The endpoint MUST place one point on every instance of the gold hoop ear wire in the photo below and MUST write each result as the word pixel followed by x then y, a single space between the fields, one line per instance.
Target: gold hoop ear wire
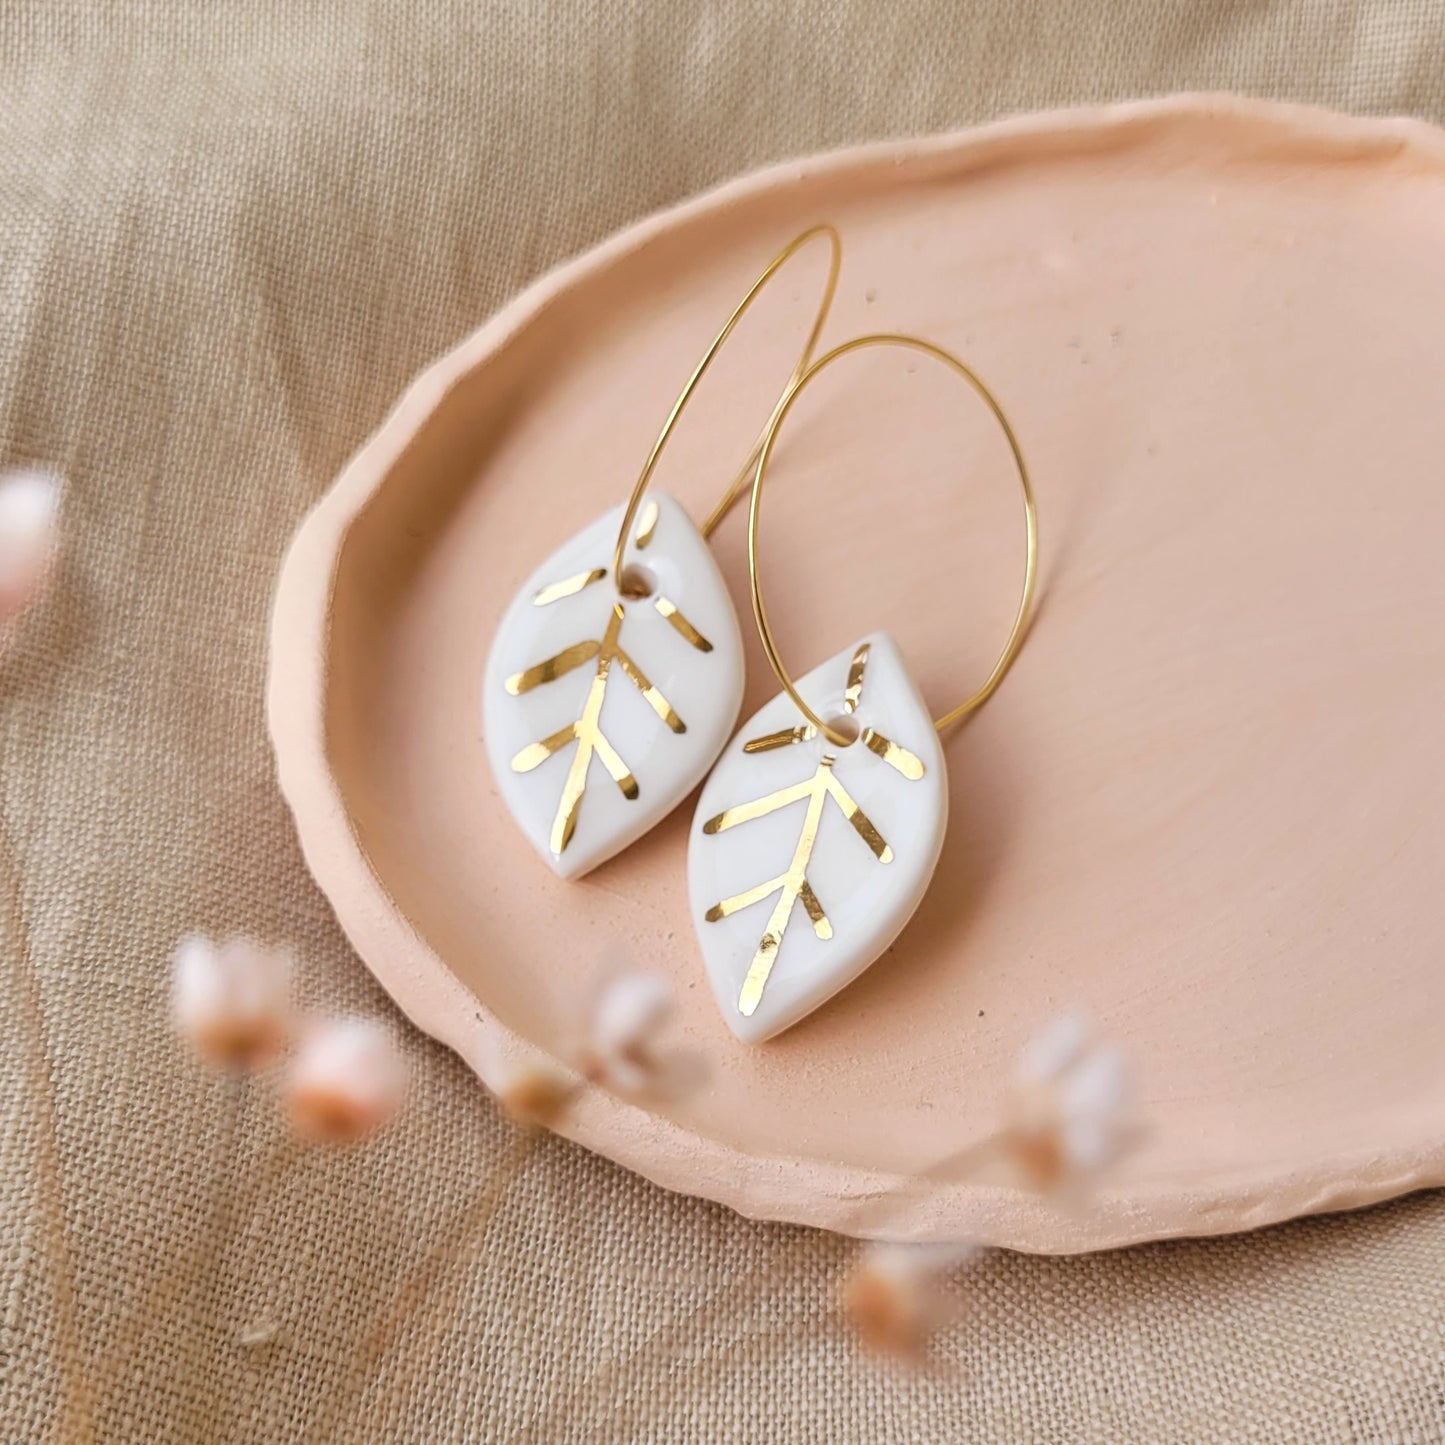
pixel 760 611
pixel 740 482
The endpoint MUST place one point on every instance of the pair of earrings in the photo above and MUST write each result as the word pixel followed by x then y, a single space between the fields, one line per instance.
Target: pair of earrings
pixel 613 687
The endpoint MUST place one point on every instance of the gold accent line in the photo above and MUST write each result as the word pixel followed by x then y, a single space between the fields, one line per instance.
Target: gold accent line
pixel 587 730
pixel 760 807
pixel 761 966
pixel 655 699
pixel 553 667
pixel 648 525
pixel 809 900
pixel 766 744
pixel 739 901
pixel 856 669
pixel 683 626
pixel 565 823
pixel 616 768
pixel 862 823
pixel 790 890
pixel 895 756
pixel 792 886
pixel 535 754
pixel 568 587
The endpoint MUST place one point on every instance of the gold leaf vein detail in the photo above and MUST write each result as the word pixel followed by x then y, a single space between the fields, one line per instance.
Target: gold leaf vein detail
pixel 586 731
pixel 568 587
pixel 792 885
pixel 647 523
pixel 856 670
pixel 689 633
pixel 766 744
pixel 896 756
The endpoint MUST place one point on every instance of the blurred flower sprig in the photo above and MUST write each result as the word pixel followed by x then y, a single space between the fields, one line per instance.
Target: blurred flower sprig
pixel 622 1048
pixel 29 537
pixel 1065 1121
pixel 345 1078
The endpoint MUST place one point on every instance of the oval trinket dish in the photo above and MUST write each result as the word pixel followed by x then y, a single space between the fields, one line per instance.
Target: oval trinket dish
pixel 1208 806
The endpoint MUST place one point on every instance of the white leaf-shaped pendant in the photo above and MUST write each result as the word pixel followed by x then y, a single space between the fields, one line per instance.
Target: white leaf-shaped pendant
pixel 602 711
pixel 806 859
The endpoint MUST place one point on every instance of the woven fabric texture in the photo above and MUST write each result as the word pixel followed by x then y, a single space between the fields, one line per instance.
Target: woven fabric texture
pixel 229 234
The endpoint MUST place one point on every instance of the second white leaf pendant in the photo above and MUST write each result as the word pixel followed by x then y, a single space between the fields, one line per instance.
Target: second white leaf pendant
pixel 806 858
pixel 604 706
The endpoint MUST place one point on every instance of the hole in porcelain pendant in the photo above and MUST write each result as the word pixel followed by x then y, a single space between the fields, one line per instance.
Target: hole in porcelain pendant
pixel 604 705
pixel 637 582
pixel 807 857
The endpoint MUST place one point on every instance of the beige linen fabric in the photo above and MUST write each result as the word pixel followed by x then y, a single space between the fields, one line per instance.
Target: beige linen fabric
pixel 229 234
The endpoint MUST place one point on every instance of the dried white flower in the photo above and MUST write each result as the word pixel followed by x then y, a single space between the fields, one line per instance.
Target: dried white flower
pixel 1048 1055
pixel 232 1001
pixel 623 1049
pixel 895 1295
pixel 347 1080
pixel 29 529
pixel 1065 1117
pixel 532 1091
pixel 630 1014
pixel 536 1096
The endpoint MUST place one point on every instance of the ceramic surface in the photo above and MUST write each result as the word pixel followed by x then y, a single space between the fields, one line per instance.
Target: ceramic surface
pixel 603 706
pixel 1207 808
pixel 806 858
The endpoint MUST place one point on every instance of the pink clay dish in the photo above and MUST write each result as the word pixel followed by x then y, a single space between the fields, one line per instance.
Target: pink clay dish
pixel 1207 807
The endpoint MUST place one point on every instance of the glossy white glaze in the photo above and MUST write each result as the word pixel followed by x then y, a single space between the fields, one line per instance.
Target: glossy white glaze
pixel 866 899
pixel 701 689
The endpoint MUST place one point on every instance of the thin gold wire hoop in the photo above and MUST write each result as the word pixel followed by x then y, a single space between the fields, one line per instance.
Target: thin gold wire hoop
pixel 740 482
pixel 780 415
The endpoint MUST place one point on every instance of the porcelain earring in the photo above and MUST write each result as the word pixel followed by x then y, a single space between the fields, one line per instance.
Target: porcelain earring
pixel 819 829
pixel 622 653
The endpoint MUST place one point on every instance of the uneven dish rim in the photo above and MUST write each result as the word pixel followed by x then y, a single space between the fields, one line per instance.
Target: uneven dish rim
pixel 832 1196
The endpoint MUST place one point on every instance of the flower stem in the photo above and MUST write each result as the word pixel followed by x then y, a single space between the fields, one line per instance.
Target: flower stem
pixel 126 1339
pixel 78 1410
pixel 468 1232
